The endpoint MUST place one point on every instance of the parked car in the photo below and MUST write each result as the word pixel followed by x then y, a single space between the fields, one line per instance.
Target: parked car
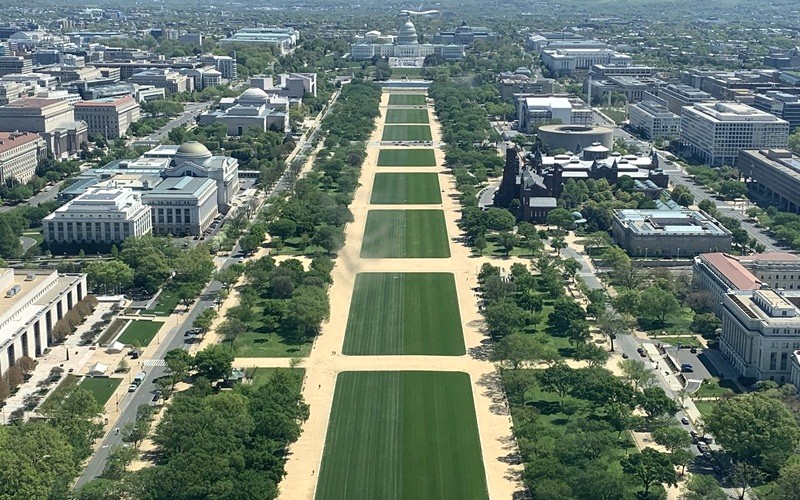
pixel 687 368
pixel 685 420
pixel 693 350
pixel 133 387
pixel 702 447
pixel 625 355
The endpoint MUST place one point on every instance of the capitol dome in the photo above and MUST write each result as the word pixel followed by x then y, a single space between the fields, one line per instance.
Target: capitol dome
pixel 192 150
pixel 407 34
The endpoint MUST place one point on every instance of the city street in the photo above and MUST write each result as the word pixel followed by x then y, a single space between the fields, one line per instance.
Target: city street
pixel 191 111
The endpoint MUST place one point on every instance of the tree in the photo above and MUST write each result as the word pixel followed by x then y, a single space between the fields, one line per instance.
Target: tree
pixel 13 377
pixel 249 243
pixel 518 348
pixel 282 228
pixel 109 275
pixel 558 242
pixel 178 362
pixel 204 320
pixel 561 218
pixel 703 487
pixel 135 432
pixel 119 457
pixel 658 303
pixel 230 275
pixel 650 467
pixel 593 353
pixel 504 318
pixel 305 312
pixel 706 324
pixel 214 362
pixel 682 196
pixel 480 243
pixel 787 486
pixel 10 246
pixel 26 364
pixel 78 417
pixel 500 219
pixel 613 325
pixel 578 332
pixel 655 403
pixel 558 378
pixel 620 416
pixel 572 266
pixel 231 328
pixel 329 238
pixel 637 373
pixel 507 241
pixel 565 312
pixel 756 429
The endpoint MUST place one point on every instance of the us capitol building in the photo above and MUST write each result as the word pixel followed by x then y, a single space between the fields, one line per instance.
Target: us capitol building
pixel 405 45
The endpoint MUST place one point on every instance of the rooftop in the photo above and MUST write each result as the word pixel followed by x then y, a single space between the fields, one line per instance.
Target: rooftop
pixel 105 101
pixel 11 140
pixel 670 222
pixel 729 268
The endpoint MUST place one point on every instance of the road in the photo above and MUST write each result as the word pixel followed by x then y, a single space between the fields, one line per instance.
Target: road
pixel 173 339
pixel 40 197
pixel 191 111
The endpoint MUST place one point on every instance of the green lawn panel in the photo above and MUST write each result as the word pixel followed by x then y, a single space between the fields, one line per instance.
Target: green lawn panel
pixel 403 188
pixel 410 115
pixel 406 158
pixel 407 100
pixel 402 435
pixel 404 313
pixel 406 133
pixel 405 234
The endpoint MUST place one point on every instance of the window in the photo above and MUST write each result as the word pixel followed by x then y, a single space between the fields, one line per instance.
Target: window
pixel 773 360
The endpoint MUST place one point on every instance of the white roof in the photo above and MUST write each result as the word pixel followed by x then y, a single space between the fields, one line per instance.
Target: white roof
pixel 548 102
pixel 116 346
pixel 98 368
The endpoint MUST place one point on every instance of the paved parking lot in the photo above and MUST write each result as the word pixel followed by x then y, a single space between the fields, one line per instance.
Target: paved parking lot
pixel 702 367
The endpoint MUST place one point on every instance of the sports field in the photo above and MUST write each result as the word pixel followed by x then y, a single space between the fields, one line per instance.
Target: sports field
pixel 407 100
pixel 404 313
pixel 405 234
pixel 406 133
pixel 402 115
pixel 402 435
pixel 406 188
pixel 406 158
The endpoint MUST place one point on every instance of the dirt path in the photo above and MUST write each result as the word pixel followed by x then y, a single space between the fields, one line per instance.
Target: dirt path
pixel 326 360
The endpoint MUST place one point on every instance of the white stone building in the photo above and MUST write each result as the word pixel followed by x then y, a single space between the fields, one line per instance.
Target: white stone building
pixel 654 120
pixel 31 302
pixel 20 153
pixel 182 206
pixel 104 215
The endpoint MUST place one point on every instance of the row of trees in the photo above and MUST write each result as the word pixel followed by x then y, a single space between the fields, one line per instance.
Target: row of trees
pixel 40 458
pixel 148 262
pixel 317 211
pixel 292 302
pixel 245 433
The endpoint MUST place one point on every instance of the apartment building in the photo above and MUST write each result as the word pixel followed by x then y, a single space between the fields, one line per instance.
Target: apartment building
pixel 716 132
pixel 103 215
pixel 109 117
pixel 20 153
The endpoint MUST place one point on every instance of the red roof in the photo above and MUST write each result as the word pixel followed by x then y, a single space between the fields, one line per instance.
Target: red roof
pixel 730 268
pixel 10 140
pixel 32 102
pixel 103 102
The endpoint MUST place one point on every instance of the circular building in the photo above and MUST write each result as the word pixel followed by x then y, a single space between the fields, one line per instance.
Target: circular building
pixel 407 35
pixel 192 151
pixel 569 137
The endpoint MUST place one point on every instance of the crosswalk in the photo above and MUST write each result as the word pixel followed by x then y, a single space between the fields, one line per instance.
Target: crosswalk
pixel 154 362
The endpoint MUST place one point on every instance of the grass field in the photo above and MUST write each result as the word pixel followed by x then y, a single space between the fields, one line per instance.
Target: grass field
pixel 406 188
pixel 406 158
pixel 402 435
pixel 407 100
pixel 141 331
pixel 167 302
pixel 261 376
pixel 406 133
pixel 267 345
pixel 402 115
pixel 405 234
pixel 65 387
pixel 101 387
pixel 404 313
